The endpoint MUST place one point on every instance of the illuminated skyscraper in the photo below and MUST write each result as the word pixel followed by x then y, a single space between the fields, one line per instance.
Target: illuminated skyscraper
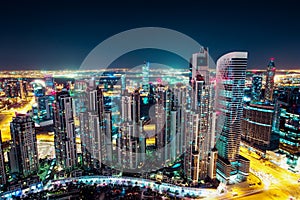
pixel 49 81
pixel 199 141
pixel 163 108
pixel 256 87
pixel 64 131
pixel 131 147
pixel 269 88
pixel 191 156
pixel 287 125
pixel 257 126
pixel 2 165
pixel 231 73
pixel 43 111
pixel 146 76
pixel 289 141
pixel 108 156
pixel 123 83
pixel 91 131
pixel 199 64
pixel 23 155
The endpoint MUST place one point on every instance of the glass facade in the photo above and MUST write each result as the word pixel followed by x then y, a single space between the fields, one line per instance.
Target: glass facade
pixel 289 141
pixel 256 88
pixel 231 73
pixel 270 81
pixel 257 126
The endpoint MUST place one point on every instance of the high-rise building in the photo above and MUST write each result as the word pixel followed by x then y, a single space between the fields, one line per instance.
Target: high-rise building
pixel 131 147
pixel 43 111
pixel 256 87
pixel 2 165
pixel 23 155
pixel 269 88
pixel 163 108
pixel 145 81
pixel 287 126
pixel 180 104
pixel 123 83
pixel 49 81
pixel 64 131
pixel 257 126
pixel 91 132
pixel 199 142
pixel 199 64
pixel 108 156
pixel 289 137
pixel 191 155
pixel 230 77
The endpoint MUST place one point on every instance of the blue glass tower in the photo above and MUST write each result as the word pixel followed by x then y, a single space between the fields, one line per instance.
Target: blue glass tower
pixel 231 73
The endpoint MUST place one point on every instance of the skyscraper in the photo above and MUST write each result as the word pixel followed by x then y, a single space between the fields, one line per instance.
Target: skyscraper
pixel 231 73
pixel 257 126
pixel 145 81
pixel 287 125
pixel 64 137
pixel 43 111
pixel 163 108
pixel 199 142
pixel 269 88
pixel 91 133
pixel 199 64
pixel 2 165
pixel 23 155
pixel 256 87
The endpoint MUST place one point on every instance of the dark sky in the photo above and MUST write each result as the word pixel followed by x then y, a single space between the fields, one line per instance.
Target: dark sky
pixel 60 34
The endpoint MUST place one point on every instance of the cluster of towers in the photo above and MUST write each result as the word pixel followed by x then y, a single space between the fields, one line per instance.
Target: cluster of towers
pixel 271 119
pixel 199 122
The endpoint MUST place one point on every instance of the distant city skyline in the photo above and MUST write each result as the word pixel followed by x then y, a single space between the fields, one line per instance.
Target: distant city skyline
pixel 51 35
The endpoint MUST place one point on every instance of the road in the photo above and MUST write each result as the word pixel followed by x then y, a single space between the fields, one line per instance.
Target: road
pixel 279 183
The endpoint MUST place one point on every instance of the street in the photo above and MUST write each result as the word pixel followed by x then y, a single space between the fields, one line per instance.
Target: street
pixel 279 183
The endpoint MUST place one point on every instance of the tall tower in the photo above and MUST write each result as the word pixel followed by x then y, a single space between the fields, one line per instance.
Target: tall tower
pixel 202 107
pixel 199 64
pixel 23 156
pixel 270 81
pixel 256 87
pixel 2 165
pixel 123 83
pixel 64 137
pixel 163 108
pixel 91 132
pixel 231 73
pixel 146 76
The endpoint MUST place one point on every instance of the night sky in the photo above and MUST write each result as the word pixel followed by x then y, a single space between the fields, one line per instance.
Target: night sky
pixel 60 34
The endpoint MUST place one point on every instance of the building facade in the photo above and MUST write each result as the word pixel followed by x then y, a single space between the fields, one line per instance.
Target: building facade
pixel 64 131
pixel 197 156
pixel 257 126
pixel 269 87
pixel 289 135
pixel 23 155
pixel 256 88
pixel 230 77
pixel 91 128
pixel 2 165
